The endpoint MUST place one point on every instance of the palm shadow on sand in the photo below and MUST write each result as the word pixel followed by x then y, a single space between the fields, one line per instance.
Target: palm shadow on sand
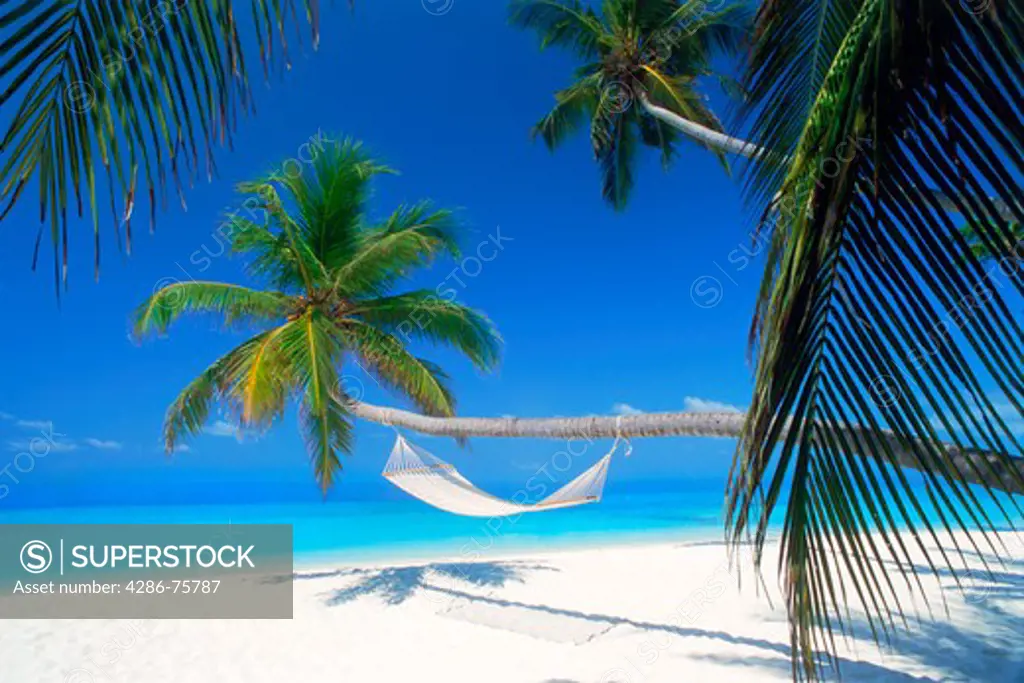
pixel 934 642
pixel 395 585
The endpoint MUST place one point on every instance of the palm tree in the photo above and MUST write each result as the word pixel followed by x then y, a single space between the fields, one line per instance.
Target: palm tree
pixel 647 53
pixel 145 89
pixel 326 272
pixel 869 283
pixel 643 60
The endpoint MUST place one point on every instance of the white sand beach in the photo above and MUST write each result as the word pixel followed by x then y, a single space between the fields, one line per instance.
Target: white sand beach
pixel 629 614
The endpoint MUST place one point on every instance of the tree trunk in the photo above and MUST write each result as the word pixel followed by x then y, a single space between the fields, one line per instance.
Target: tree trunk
pixel 731 145
pixel 703 134
pixel 997 470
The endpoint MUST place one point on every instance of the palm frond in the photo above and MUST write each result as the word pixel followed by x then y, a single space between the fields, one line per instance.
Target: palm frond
pixel 146 90
pixel 328 432
pixel 568 24
pixel 411 237
pixel 265 196
pixel 385 356
pixel 232 302
pixel 262 384
pixel 313 355
pixel 329 195
pixel 865 274
pixel 694 32
pixel 660 135
pixel 423 315
pixel 795 43
pixel 191 409
pixel 618 15
pixel 271 256
pixel 614 144
pixel 658 13
pixel 573 107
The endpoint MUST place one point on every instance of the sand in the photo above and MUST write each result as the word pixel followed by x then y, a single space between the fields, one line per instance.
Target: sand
pixel 623 614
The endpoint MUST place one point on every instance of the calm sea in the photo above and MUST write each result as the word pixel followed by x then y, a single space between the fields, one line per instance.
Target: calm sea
pixel 404 528
pixel 380 523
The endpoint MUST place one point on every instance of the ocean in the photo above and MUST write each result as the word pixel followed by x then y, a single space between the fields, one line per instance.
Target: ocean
pixel 379 524
pixel 404 528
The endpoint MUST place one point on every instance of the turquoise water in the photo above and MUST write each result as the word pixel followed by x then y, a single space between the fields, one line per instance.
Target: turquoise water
pixel 408 529
pixel 402 528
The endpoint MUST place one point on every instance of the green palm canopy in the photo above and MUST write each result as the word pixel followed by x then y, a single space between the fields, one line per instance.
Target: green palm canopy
pixel 874 310
pixel 327 273
pixel 126 99
pixel 632 49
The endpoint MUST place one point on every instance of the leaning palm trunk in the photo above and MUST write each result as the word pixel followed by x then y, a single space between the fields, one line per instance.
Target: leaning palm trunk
pixel 996 470
pixel 702 134
pixel 731 145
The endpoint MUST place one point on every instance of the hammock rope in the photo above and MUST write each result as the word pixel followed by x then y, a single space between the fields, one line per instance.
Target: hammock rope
pixel 423 475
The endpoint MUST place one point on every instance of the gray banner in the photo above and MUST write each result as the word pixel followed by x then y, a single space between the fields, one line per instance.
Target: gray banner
pixel 146 571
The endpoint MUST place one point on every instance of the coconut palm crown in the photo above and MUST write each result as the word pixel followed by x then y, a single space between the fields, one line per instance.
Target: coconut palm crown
pixel 329 272
pixel 634 49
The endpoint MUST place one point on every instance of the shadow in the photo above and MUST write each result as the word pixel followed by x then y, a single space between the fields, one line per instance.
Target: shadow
pixel 684 631
pixel 993 649
pixel 395 585
pixel 992 653
pixel 976 585
pixel 988 646
pixel 851 670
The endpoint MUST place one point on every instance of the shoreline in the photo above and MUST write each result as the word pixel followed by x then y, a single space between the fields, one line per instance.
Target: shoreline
pixel 512 547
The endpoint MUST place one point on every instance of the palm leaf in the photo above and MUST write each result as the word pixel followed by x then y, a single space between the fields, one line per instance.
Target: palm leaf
pixel 677 94
pixel 567 24
pixel 217 384
pixel 865 269
pixel 264 382
pixel 655 133
pixel 423 382
pixel 614 144
pixel 146 89
pixel 329 196
pixel 411 237
pixel 423 315
pixel 231 302
pixel 573 106
pixel 328 432
pixel 795 44
pixel 309 271
pixel 692 31
pixel 271 256
pixel 313 354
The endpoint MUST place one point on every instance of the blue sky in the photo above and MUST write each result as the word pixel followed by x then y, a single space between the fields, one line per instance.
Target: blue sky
pixel 595 306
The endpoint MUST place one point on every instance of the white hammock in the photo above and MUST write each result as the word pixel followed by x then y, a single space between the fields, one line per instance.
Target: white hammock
pixel 435 482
